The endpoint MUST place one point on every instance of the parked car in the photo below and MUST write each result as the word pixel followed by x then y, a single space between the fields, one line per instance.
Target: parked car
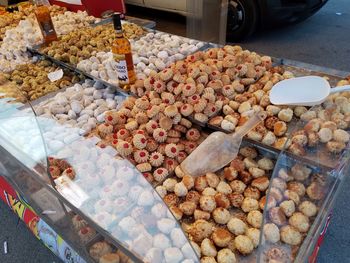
pixel 245 16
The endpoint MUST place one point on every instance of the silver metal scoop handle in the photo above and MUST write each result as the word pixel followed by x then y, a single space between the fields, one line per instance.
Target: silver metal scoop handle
pixel 254 120
pixel 340 89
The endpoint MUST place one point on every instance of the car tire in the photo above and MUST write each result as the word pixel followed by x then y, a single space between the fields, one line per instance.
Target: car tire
pixel 242 17
pixel 307 15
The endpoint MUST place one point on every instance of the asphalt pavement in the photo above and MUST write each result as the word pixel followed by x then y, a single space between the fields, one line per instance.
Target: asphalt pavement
pixel 323 39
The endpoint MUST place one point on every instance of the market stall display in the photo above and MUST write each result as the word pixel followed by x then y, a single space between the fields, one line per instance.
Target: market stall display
pixel 82 105
pixel 113 162
pixel 33 81
pixel 222 212
pixel 11 20
pixel 151 53
pixel 82 44
pixel 206 81
pixel 151 134
pixel 300 191
pixel 27 34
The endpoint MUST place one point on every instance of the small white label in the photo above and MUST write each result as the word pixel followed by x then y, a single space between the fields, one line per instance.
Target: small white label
pixel 56 75
pixel 72 2
pixel 71 191
pixel 122 71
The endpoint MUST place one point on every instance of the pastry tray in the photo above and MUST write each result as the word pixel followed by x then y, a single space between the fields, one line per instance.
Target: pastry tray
pixel 145 23
pixel 36 50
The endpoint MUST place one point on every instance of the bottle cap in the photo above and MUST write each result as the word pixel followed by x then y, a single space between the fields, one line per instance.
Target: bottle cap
pixel 116 21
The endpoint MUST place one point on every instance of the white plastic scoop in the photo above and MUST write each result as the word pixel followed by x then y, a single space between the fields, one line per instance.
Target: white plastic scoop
pixel 303 91
pixel 218 149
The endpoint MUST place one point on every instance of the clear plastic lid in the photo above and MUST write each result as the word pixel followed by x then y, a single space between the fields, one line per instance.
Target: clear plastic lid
pixel 104 187
pixel 302 190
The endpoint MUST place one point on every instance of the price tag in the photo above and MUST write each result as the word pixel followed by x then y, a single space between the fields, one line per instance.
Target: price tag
pixel 72 2
pixel 56 75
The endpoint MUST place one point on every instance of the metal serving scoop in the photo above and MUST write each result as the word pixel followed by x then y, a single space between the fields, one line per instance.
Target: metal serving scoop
pixel 303 91
pixel 218 149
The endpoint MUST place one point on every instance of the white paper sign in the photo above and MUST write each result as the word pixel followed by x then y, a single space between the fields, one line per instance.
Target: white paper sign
pixel 72 2
pixel 71 191
pixel 56 75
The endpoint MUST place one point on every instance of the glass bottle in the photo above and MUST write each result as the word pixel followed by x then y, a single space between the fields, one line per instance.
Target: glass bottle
pixel 43 16
pixel 121 50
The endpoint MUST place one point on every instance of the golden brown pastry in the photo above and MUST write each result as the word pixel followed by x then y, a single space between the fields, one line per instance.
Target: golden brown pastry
pixel 221 215
pixel 291 195
pixel 315 191
pixel 207 203
pixel 288 207
pixel 212 179
pixel 236 199
pixel 249 204
pixel 261 183
pixel 308 208
pixel 188 208
pixel 99 249
pixel 254 218
pixel 110 258
pixel 236 226
pixel 277 216
pixel 224 188
pixel 200 230
pixel 222 200
pixel 290 236
pixel 208 248
pixel 300 222
pixel 226 256
pixel 271 233
pixel 254 235
pixel 199 214
pixel 221 237
pixel 297 187
pixel 244 244
pixel 238 186
pixel 252 192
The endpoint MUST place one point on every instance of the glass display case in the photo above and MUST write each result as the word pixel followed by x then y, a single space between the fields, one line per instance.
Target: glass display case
pixel 62 172
pixel 303 190
pixel 269 204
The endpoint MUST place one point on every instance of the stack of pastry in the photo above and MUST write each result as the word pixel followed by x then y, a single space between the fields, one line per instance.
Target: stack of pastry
pixel 84 43
pixel 222 213
pixel 103 252
pixel 295 196
pixel 32 80
pixel 85 232
pixel 150 133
